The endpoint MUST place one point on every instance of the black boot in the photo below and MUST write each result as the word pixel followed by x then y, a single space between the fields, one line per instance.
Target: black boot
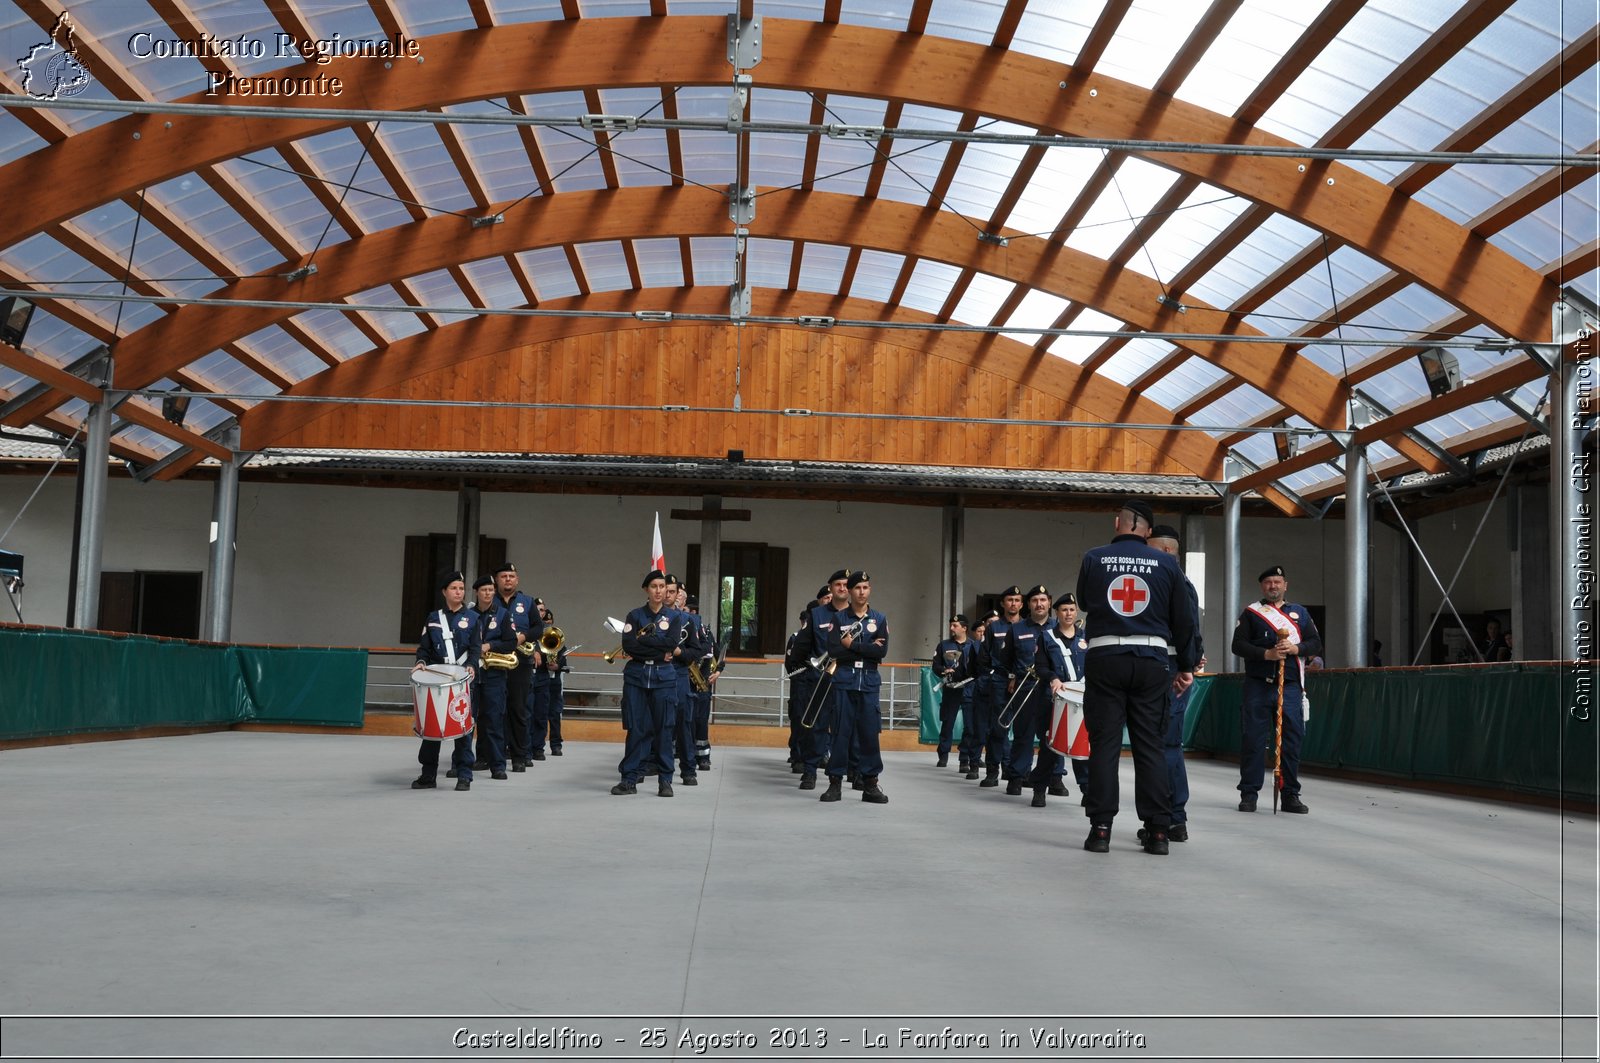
pixel 872 795
pixel 423 782
pixel 1178 832
pixel 1099 840
pixel 463 784
pixel 991 778
pixel 972 771
pixel 1058 788
pixel 624 788
pixel 808 782
pixel 1292 803
pixel 1038 798
pixel 944 761
pixel 835 789
pixel 1154 839
pixel 1014 788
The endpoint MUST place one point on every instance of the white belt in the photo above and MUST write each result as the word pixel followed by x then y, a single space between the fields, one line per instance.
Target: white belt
pixel 1130 640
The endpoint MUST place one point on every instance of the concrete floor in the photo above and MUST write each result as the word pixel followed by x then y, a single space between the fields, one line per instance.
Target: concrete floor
pixel 267 878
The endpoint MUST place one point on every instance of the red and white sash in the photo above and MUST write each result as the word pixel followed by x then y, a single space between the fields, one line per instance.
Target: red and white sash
pixel 1279 621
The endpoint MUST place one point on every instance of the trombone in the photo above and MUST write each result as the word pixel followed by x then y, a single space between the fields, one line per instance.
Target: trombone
pixel 1019 697
pixel 826 664
pixel 614 626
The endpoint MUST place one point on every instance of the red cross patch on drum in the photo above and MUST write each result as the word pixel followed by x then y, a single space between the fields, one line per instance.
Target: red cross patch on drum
pixel 1129 595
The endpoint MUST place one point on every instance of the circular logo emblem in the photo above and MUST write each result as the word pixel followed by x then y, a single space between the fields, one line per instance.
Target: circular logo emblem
pixel 519 607
pixel 664 623
pixel 1128 595
pixel 462 622
pixel 872 625
pixel 627 628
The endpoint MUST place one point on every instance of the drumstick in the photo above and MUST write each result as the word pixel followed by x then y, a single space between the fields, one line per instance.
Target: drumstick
pixel 435 671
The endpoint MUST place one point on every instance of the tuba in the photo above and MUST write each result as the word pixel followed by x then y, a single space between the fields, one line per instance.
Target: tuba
pixel 552 641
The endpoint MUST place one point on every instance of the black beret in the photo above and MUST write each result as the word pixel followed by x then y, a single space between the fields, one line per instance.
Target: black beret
pixel 693 602
pixel 1065 599
pixel 1165 531
pixel 824 592
pixel 992 614
pixel 1275 570
pixel 858 576
pixel 960 618
pixel 1037 589
pixel 505 566
pixel 449 578
pixel 1009 591
pixel 653 575
pixel 1142 508
pixel 483 581
pixel 841 574
pixel 673 580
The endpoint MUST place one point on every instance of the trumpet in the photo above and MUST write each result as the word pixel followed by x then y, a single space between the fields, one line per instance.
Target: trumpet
pixel 697 679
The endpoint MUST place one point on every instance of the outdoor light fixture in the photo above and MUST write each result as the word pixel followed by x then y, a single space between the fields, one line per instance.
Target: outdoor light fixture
pixel 1287 443
pixel 1441 369
pixel 15 313
pixel 175 408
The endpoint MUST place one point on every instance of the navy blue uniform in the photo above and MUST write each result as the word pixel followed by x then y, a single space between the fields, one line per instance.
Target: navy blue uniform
pixel 801 684
pixel 1252 637
pixel 1073 646
pixel 649 692
pixel 952 663
pixel 518 681
pixel 1135 604
pixel 816 638
pixel 1172 742
pixel 497 635
pixel 696 647
pixel 462 626
pixel 997 747
pixel 1030 649
pixel 701 699
pixel 541 689
pixel 558 700
pixel 856 682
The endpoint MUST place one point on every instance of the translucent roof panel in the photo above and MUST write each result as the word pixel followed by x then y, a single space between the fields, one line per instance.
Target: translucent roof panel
pixel 982 299
pixel 844 163
pixel 526 10
pixel 985 173
pixel 497 154
pixel 768 262
pixel 876 274
pixel 822 268
pixel 1038 309
pixel 640 157
pixel 1192 377
pixel 777 159
pixel 424 18
pixel 251 21
pixel 148 54
pixel 550 272
pixel 868 13
pixel 660 263
pixel 281 351
pixel 914 165
pixel 16 139
pixel 340 157
pixel 1187 231
pixel 1240 406
pixel 283 197
pixel 1134 189
pixel 335 331
pixel 427 167
pixel 1133 359
pixel 494 282
pixel 614 8
pixel 117 230
pixel 1270 244
pixel 1054 186
pixel 709 157
pixel 1077 348
pixel 713 260
pixel 396 325
pixel 439 289
pixel 192 203
pixel 605 267
pixel 1555 229
pixel 965 20
pixel 929 286
pixel 1149 35
pixel 223 373
pixel 349 20
pixel 1252 42
pixel 1054 31
pixel 569 154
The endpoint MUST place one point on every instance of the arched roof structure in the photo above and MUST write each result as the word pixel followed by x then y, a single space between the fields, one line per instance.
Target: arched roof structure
pixel 853 217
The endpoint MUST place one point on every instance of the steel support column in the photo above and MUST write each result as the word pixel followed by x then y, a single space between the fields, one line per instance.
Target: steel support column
pixel 710 590
pixel 224 526
pixel 96 453
pixel 469 517
pixel 952 593
pixel 1356 558
pixel 1232 502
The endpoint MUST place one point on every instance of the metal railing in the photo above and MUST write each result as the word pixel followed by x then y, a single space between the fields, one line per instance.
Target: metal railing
pixel 751 690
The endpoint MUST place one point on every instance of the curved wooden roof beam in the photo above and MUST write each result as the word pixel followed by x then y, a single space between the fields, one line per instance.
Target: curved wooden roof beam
pixel 1193 453
pixel 61 181
pixel 147 354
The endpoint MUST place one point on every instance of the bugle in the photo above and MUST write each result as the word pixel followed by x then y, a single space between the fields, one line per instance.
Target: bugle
pixel 614 626
pixel 505 661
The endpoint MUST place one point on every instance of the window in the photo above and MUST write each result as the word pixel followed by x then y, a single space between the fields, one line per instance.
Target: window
pixel 151 603
pixel 754 601
pixel 427 558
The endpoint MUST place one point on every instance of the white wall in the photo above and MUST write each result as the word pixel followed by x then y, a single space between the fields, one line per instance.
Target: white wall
pixel 322 564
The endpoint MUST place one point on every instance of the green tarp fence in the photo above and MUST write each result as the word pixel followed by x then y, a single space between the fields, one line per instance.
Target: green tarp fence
pixel 55 682
pixel 1508 726
pixel 928 720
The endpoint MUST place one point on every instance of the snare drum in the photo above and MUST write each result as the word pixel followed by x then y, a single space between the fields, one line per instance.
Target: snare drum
pixel 441 694
pixel 1068 735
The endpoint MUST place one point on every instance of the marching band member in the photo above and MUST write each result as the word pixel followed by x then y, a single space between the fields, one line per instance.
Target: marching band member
pixel 1136 608
pixel 817 741
pixel 952 663
pixel 541 684
pixel 1164 537
pixel 489 687
pixel 800 684
pixel 858 641
pixel 1032 674
pixel 1074 642
pixel 690 650
pixel 998 645
pixel 701 699
pixel 450 636
pixel 651 639
pixel 1273 637
pixel 518 711
pixel 558 667
pixel 982 705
